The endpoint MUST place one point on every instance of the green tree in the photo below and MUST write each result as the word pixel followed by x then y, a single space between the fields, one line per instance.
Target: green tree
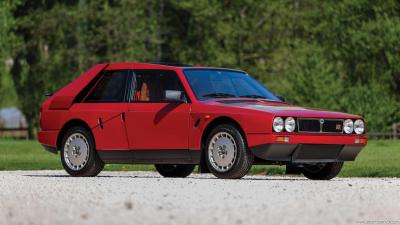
pixel 62 39
pixel 7 43
pixel 339 55
pixel 361 37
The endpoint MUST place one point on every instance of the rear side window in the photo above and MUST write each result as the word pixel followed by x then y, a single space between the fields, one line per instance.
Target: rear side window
pixel 151 85
pixel 111 87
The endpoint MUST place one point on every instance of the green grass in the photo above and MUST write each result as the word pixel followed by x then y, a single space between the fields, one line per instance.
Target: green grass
pixel 379 159
pixel 30 155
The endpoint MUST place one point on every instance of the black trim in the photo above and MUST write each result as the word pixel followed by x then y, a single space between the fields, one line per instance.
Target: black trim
pixel 274 152
pixel 305 153
pixel 196 124
pixel 350 152
pixel 50 149
pixel 216 68
pixel 316 153
pixel 167 102
pixel 171 64
pixel 150 156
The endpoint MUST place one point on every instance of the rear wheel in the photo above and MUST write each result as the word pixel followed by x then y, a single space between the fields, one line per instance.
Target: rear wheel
pixel 226 153
pixel 174 170
pixel 324 171
pixel 78 153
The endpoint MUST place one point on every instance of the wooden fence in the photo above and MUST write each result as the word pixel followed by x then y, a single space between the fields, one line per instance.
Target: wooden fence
pixel 395 134
pixel 16 133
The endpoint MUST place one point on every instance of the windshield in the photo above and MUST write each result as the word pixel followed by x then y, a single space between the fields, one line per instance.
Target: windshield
pixel 218 83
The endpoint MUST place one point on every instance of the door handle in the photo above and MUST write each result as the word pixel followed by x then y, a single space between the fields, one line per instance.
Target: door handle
pixel 100 121
pixel 123 116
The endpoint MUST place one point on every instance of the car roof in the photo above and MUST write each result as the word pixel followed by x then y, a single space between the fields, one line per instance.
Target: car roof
pixel 161 65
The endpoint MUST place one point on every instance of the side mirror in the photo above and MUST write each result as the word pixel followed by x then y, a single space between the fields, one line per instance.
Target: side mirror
pixel 174 96
pixel 281 98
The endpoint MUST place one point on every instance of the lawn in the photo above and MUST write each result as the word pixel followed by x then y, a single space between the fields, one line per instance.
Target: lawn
pixel 30 155
pixel 381 158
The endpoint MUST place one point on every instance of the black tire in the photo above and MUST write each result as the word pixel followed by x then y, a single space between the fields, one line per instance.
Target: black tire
pixel 244 158
pixel 293 169
pixel 322 172
pixel 94 165
pixel 174 170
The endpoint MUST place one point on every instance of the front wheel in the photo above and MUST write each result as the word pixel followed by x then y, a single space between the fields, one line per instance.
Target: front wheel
pixel 78 153
pixel 174 170
pixel 226 153
pixel 324 171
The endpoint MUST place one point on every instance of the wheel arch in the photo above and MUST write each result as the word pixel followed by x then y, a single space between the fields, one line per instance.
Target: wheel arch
pixel 206 132
pixel 218 121
pixel 67 126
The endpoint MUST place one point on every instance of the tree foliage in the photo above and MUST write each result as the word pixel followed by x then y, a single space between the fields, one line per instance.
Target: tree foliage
pixel 338 55
pixel 7 42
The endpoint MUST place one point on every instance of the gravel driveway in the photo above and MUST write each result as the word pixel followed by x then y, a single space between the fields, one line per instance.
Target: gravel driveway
pixel 51 198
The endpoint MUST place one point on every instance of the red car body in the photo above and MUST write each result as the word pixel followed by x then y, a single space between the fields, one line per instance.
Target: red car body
pixel 164 132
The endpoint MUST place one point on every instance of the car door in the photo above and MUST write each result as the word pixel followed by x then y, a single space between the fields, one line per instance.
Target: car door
pixel 154 122
pixel 106 106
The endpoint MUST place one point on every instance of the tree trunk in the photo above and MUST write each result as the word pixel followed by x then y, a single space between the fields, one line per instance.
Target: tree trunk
pixel 31 131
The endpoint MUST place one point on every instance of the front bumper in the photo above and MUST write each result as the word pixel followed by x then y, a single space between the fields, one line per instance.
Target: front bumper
pixel 309 148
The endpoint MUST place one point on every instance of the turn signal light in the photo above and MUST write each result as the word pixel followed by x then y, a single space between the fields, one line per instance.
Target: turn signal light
pixel 360 141
pixel 282 139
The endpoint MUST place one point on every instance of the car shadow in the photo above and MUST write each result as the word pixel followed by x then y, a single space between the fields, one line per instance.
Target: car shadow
pixel 261 178
pixel 162 113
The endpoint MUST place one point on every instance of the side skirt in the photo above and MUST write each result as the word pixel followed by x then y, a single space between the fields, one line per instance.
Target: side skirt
pixel 150 156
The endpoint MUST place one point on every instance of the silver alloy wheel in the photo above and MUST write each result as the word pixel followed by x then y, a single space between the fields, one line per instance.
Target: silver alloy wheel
pixel 76 151
pixel 222 151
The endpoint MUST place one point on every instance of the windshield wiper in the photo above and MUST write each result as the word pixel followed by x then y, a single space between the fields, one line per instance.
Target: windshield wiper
pixel 252 96
pixel 219 95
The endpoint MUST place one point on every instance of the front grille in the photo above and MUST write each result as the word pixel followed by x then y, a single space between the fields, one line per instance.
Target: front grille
pixel 318 125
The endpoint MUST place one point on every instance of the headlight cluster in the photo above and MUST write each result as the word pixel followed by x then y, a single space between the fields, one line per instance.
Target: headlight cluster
pixel 357 126
pixel 289 124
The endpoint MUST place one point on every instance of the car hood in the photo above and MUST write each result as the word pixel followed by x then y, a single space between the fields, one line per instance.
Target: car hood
pixel 280 108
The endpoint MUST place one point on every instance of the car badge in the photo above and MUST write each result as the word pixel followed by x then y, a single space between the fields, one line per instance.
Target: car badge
pixel 321 125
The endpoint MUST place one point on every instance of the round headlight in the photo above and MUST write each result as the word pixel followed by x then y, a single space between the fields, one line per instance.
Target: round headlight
pixel 278 124
pixel 359 126
pixel 290 124
pixel 348 126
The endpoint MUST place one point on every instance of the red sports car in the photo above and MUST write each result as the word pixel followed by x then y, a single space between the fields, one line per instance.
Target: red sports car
pixel 179 116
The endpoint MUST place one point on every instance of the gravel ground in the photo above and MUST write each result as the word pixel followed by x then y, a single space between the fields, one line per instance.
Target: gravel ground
pixel 52 198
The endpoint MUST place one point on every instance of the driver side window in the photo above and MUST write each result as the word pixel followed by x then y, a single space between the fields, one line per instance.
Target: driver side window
pixel 154 85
